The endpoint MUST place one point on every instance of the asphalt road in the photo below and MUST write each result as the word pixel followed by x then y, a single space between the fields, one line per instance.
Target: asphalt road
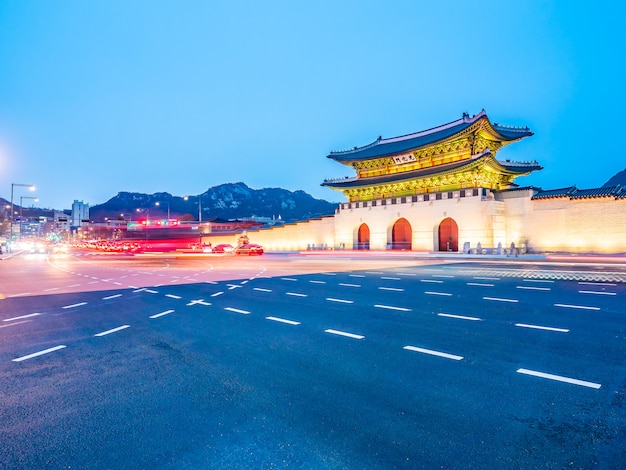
pixel 295 363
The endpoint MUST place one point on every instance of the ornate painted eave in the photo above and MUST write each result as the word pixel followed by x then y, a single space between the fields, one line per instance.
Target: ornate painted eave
pixel 483 170
pixel 470 129
pixel 485 159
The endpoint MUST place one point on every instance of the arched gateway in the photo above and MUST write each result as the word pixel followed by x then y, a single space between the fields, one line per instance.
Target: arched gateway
pixel 448 235
pixel 363 238
pixel 401 235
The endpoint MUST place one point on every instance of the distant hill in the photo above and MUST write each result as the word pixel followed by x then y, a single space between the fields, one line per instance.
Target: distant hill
pixel 618 178
pixel 226 201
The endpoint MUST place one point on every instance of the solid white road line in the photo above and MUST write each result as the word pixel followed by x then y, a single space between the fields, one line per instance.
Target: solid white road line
pixel 559 378
pixel 496 299
pixel 282 320
pixel 537 327
pixel 167 312
pixel 330 299
pixel 22 317
pixel 75 305
pixel 113 330
pixel 445 294
pixel 389 307
pixel 581 307
pixel 460 317
pixel 236 310
pixel 109 297
pixel 39 353
pixel 596 292
pixel 343 333
pixel 434 353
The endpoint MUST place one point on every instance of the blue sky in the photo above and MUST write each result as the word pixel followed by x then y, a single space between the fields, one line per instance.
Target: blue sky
pixel 98 97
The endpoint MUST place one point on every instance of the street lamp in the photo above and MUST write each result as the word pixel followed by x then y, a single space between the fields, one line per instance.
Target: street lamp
pixel 158 203
pixel 31 187
pixel 186 198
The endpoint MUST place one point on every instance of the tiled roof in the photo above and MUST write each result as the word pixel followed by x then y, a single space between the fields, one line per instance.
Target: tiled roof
pixel 397 145
pixel 597 192
pixel 553 193
pixel 574 193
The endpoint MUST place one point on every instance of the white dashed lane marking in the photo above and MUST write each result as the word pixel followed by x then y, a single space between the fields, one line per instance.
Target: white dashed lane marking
pixel 21 317
pixel 343 301
pixel 559 378
pixel 434 353
pixel 283 320
pixel 75 305
pixel 580 307
pixel 390 307
pixel 39 353
pixel 459 317
pixel 343 333
pixel 167 312
pixel 113 330
pixel 497 299
pixel 237 310
pixel 547 328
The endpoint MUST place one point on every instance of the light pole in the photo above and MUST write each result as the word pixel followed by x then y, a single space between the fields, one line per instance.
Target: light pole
pixel 22 210
pixel 31 187
pixel 158 203
pixel 186 198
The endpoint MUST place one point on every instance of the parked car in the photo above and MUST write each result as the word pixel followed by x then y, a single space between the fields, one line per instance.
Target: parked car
pixel 222 248
pixel 249 249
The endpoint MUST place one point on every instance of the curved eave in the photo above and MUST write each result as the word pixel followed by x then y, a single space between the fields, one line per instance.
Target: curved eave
pixel 484 160
pixel 382 148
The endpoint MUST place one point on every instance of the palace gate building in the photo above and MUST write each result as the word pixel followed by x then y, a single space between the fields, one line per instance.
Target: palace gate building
pixel 444 189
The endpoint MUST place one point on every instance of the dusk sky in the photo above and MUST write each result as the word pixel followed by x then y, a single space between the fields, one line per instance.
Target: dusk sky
pixel 98 97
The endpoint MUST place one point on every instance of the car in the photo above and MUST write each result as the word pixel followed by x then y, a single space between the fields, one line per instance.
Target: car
pixel 222 248
pixel 249 249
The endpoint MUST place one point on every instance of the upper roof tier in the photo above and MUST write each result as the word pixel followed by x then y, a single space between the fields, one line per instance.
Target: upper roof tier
pixel 402 144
